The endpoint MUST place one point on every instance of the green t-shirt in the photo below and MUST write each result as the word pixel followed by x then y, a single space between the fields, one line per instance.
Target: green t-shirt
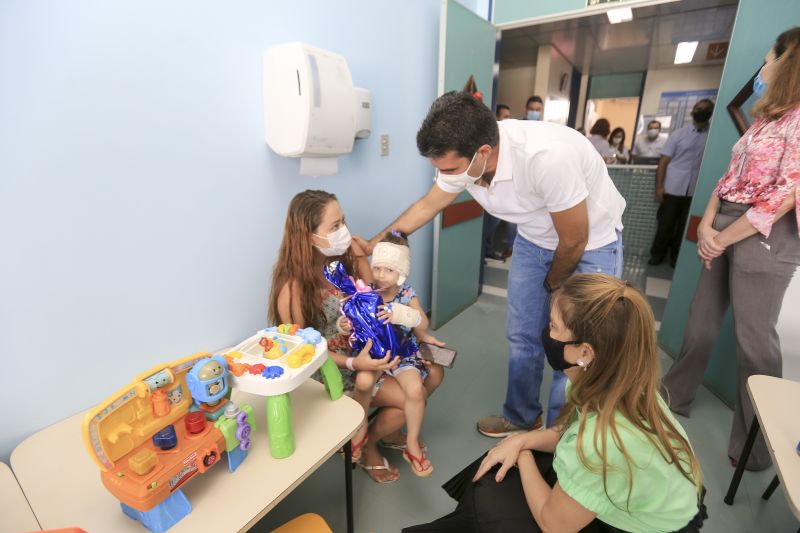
pixel 662 499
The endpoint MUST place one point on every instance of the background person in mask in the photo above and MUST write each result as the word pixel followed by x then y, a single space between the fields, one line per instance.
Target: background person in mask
pixel 676 178
pixel 550 181
pixel 616 145
pixel 649 143
pixel 748 242
pixel 534 108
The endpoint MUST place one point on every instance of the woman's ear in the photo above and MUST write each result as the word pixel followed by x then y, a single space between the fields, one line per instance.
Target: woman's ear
pixel 587 353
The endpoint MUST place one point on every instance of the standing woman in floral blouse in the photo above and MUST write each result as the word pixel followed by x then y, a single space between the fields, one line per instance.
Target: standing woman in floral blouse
pixel 749 245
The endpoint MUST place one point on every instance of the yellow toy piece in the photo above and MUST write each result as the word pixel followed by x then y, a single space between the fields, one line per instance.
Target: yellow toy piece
pixel 301 356
pixel 143 462
pixel 234 355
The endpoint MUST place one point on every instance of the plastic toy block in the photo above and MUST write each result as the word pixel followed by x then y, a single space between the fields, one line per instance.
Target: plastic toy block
pixel 301 356
pixel 332 378
pixel 236 457
pixel 279 426
pixel 143 462
pixel 229 426
pixel 164 515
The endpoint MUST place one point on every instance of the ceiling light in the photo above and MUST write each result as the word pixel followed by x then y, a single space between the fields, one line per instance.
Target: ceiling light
pixel 685 52
pixel 620 14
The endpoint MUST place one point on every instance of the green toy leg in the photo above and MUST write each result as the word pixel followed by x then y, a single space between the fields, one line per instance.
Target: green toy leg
pixel 279 426
pixel 332 379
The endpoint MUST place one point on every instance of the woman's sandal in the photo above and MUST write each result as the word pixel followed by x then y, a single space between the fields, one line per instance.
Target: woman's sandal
pixel 401 447
pixel 355 448
pixel 411 459
pixel 384 466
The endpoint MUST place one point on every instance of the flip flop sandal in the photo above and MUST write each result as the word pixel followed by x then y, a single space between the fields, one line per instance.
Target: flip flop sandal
pixel 355 448
pixel 401 447
pixel 411 459
pixel 384 466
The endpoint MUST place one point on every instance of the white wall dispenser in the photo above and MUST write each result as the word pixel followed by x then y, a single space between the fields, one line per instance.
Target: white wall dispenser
pixel 311 109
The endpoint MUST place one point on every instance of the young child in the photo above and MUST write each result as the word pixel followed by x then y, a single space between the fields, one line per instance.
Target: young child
pixel 391 262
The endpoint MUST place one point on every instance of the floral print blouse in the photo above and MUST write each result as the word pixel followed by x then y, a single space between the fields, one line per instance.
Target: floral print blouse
pixel 764 169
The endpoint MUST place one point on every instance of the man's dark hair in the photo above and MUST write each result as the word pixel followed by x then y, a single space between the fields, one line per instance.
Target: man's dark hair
pixel 705 102
pixel 500 107
pixel 534 98
pixel 456 122
pixel 654 122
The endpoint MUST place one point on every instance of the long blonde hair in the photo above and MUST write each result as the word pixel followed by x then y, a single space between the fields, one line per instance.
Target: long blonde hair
pixel 783 92
pixel 624 377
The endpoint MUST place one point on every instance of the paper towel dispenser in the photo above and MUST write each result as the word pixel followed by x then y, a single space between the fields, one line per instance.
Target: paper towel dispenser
pixel 311 109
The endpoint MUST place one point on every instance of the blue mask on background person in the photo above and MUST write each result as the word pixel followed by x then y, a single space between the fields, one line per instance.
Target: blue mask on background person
pixel 759 85
pixel 533 115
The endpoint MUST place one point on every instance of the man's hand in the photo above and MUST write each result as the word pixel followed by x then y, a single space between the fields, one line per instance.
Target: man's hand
pixel 359 246
pixel 659 194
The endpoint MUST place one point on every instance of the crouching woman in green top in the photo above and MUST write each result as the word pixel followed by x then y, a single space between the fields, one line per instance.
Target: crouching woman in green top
pixel 621 463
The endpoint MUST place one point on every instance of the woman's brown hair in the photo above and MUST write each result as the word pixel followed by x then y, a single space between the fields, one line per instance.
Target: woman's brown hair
pixel 601 127
pixel 299 262
pixel 783 92
pixel 624 377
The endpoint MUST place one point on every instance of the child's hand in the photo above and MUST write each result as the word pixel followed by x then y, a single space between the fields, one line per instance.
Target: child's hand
pixel 363 360
pixel 384 314
pixel 430 339
pixel 344 326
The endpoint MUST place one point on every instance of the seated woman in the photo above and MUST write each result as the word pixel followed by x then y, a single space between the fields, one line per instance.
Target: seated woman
pixel 622 462
pixel 315 233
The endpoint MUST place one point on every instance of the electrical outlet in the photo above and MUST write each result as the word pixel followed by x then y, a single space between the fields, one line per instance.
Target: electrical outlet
pixel 384 144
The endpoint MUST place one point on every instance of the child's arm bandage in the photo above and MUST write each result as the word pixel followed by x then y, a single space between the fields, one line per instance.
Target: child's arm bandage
pixel 403 315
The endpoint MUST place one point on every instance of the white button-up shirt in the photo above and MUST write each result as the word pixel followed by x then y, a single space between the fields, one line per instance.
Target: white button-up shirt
pixel 644 147
pixel 545 168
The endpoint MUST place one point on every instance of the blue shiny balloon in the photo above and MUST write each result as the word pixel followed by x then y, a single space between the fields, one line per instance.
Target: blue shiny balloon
pixel 361 308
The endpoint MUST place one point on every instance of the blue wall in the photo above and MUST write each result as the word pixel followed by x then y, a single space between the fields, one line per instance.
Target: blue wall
pixel 140 208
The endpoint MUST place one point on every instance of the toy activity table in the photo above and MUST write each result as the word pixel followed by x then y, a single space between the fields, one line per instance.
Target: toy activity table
pixel 61 481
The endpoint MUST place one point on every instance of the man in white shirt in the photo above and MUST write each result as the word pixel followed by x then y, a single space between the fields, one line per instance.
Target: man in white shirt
pixel 550 181
pixel 650 143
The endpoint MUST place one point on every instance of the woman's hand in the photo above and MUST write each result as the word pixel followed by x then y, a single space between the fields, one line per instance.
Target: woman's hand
pixel 364 361
pixel 505 454
pixel 707 247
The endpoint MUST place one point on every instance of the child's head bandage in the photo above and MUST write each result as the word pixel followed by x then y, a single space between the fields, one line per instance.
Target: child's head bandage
pixel 394 256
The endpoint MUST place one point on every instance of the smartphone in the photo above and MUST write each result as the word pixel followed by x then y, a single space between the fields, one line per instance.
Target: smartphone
pixel 437 354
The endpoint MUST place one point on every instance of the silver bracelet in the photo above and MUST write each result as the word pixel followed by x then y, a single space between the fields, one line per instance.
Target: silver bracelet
pixel 349 363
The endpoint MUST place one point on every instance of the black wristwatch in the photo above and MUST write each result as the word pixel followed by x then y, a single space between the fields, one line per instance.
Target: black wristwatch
pixel 547 287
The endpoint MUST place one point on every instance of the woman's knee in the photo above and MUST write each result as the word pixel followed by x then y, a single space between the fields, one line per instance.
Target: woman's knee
pixel 434 379
pixel 364 382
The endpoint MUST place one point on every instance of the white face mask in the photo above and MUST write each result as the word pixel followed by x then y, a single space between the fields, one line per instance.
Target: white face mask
pixel 463 179
pixel 616 141
pixel 652 133
pixel 338 242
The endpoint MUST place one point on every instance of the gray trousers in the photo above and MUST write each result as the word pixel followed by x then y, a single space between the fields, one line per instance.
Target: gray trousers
pixel 752 276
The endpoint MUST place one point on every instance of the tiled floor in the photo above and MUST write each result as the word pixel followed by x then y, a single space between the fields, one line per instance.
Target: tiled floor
pixel 476 387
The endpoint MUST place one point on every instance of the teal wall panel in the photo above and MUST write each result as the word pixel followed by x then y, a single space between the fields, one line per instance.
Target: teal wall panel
pixel 757 25
pixel 616 85
pixel 470 42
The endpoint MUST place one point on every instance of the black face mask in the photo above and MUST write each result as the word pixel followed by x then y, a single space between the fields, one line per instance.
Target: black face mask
pixel 701 115
pixel 554 350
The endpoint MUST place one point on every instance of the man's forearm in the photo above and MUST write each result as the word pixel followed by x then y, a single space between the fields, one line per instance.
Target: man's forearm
pixel 565 261
pixel 410 220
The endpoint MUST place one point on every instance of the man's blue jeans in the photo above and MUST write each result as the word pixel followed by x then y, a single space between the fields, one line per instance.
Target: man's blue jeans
pixel 528 314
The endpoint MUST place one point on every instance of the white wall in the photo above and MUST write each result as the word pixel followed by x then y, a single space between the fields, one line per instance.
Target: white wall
pixel 677 79
pixel 789 331
pixel 514 87
pixel 140 208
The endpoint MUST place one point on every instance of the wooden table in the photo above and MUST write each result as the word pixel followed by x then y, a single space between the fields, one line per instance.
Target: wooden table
pixel 63 485
pixel 14 509
pixel 774 401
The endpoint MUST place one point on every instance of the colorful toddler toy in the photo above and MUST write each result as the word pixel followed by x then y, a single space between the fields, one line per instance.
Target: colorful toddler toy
pixel 165 427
